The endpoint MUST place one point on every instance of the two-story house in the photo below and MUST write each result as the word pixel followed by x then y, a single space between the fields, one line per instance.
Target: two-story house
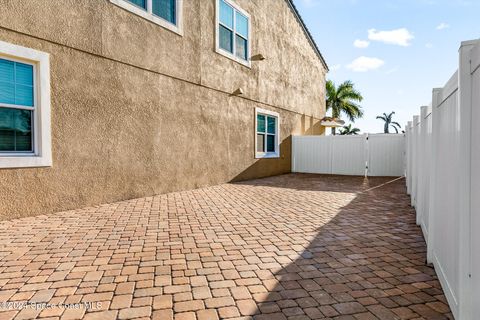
pixel 105 100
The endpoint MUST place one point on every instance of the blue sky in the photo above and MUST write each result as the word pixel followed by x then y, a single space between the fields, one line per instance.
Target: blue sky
pixel 395 51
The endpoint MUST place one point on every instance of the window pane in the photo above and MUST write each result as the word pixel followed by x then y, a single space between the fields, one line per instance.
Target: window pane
pixel 270 143
pixel 260 123
pixel 260 143
pixel 16 83
pixel 24 95
pixel 271 127
pixel 226 14
pixel 225 40
pixel 7 92
pixel 240 47
pixel 7 73
pixel 23 133
pixel 241 24
pixel 23 74
pixel 140 3
pixel 23 84
pixel 7 132
pixel 165 9
pixel 7 81
pixel 15 130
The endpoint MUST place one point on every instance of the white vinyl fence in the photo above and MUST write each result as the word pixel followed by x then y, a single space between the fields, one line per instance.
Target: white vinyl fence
pixel 443 179
pixel 368 154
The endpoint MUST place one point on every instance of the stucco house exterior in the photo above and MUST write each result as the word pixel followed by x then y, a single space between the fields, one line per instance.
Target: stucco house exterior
pixel 106 100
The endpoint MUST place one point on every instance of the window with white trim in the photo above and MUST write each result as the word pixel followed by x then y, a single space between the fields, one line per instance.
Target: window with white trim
pixel 166 13
pixel 16 106
pixel 233 32
pixel 24 107
pixel 267 134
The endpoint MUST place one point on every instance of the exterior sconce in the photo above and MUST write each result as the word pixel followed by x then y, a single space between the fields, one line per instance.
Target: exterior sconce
pixel 257 57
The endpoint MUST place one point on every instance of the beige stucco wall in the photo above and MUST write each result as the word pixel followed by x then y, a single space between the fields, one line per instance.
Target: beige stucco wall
pixel 138 110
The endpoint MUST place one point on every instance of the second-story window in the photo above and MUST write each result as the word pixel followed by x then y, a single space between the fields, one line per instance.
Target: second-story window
pixel 166 13
pixel 233 31
pixel 164 9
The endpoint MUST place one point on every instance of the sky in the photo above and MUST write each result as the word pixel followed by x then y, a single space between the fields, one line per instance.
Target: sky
pixel 394 51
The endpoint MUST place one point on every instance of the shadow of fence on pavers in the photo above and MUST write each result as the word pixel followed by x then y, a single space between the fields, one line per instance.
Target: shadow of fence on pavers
pixel 367 262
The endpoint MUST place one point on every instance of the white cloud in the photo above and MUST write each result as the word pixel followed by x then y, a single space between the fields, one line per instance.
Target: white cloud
pixel 361 43
pixel 428 45
pixel 363 64
pixel 335 67
pixel 442 26
pixel 400 37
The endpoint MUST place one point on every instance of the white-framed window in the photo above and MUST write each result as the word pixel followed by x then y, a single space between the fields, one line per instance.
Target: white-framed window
pixel 166 13
pixel 25 137
pixel 233 32
pixel 267 134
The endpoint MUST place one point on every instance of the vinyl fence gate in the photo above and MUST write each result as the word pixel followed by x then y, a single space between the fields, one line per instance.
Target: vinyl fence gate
pixel 367 154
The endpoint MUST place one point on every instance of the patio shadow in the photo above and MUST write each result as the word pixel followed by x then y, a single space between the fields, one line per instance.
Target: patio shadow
pixel 367 262
pixel 267 167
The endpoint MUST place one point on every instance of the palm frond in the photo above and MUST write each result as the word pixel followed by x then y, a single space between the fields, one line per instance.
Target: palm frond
pixel 348 130
pixel 331 94
pixel 352 110
pixel 350 94
pixel 394 123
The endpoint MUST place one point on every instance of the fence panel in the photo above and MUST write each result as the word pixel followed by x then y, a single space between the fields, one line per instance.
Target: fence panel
pixel 423 172
pixel 408 150
pixel 415 134
pixel 443 179
pixel 312 155
pixel 386 155
pixel 348 155
pixel 475 181
pixel 445 223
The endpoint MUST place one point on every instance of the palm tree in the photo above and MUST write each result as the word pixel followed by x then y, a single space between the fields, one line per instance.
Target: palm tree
pixel 389 123
pixel 343 99
pixel 348 130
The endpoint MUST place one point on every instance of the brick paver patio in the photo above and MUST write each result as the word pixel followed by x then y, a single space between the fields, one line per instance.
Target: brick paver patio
pixel 296 246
